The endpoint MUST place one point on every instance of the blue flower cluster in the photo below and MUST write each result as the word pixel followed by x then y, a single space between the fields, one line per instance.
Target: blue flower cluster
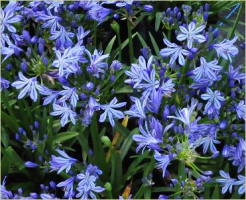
pixel 188 100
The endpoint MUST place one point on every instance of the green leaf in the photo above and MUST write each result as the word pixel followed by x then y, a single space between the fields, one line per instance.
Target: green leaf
pixel 5 165
pixel 61 137
pixel 156 48
pixel 158 18
pixel 110 45
pixel 99 154
pixel 144 44
pixel 125 89
pixel 162 189
pixel 9 122
pixel 216 193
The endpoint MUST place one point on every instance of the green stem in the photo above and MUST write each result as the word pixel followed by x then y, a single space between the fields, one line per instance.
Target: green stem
pixel 119 43
pixel 129 29
pixel 236 22
pixel 95 34
pixel 169 35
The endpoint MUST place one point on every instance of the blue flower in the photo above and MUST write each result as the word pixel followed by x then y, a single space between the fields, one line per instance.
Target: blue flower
pixel 51 94
pixel 8 17
pixel 4 83
pixel 135 76
pixel 93 170
pixel 62 36
pixel 54 4
pixel 5 194
pixel 213 98
pixel 227 182
pixel 151 83
pixel 226 49
pixel 184 115
pixel 163 161
pixel 111 112
pixel 142 63
pixel 87 186
pixel 68 187
pixel 190 34
pixel 49 20
pixel 69 93
pixel 67 60
pixel 99 13
pixel 138 109
pixel 241 181
pixel 240 109
pixel 175 52
pixel 29 86
pixel 81 34
pixel 206 69
pixel 10 50
pixel 155 101
pixel 96 63
pixel 63 162
pixel 235 74
pixel 167 88
pixel 65 113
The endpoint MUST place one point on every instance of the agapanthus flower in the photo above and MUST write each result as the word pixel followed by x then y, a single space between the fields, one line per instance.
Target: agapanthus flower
pixel 111 112
pixel 30 164
pixel 69 93
pixel 50 21
pixel 54 4
pixel 240 109
pixel 10 50
pixel 149 83
pixel 235 74
pixel 143 64
pixel 47 196
pixel 62 162
pixel 62 35
pixel 29 86
pixel 191 34
pixel 135 76
pixel 163 161
pixel 4 83
pixel 174 51
pixel 184 115
pixel 206 68
pixel 241 182
pixel 124 3
pixel 8 17
pixel 155 101
pixel 167 88
pixel 81 34
pixel 96 65
pixel 214 99
pixel 67 60
pixel 65 112
pixel 68 187
pixel 51 95
pixel 5 194
pixel 85 194
pixel 226 49
pixel 227 182
pixel 98 13
pixel 138 109
pixel 93 170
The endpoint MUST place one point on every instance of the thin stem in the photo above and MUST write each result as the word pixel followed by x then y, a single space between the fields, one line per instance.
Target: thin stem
pixel 119 43
pixel 95 34
pixel 129 29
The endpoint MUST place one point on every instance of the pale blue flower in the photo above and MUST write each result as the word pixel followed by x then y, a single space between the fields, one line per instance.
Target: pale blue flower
pixel 191 34
pixel 167 88
pixel 235 74
pixel 184 115
pixel 54 4
pixel 138 109
pixel 65 113
pixel 62 35
pixel 226 49
pixel 29 86
pixel 62 162
pixel 175 52
pixel 68 187
pixel 135 76
pixel 213 98
pixel 163 161
pixel 8 17
pixel 240 109
pixel 81 34
pixel 227 182
pixel 10 50
pixel 51 95
pixel 207 69
pixel 96 65
pixel 111 112
pixel 241 181
pixel 4 83
pixel 5 194
pixel 69 93
pixel 98 13
pixel 50 21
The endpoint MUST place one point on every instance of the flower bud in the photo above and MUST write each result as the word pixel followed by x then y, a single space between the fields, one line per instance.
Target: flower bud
pixel 223 124
pixel 30 164
pixel 106 141
pixel 148 8
pixel 108 186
